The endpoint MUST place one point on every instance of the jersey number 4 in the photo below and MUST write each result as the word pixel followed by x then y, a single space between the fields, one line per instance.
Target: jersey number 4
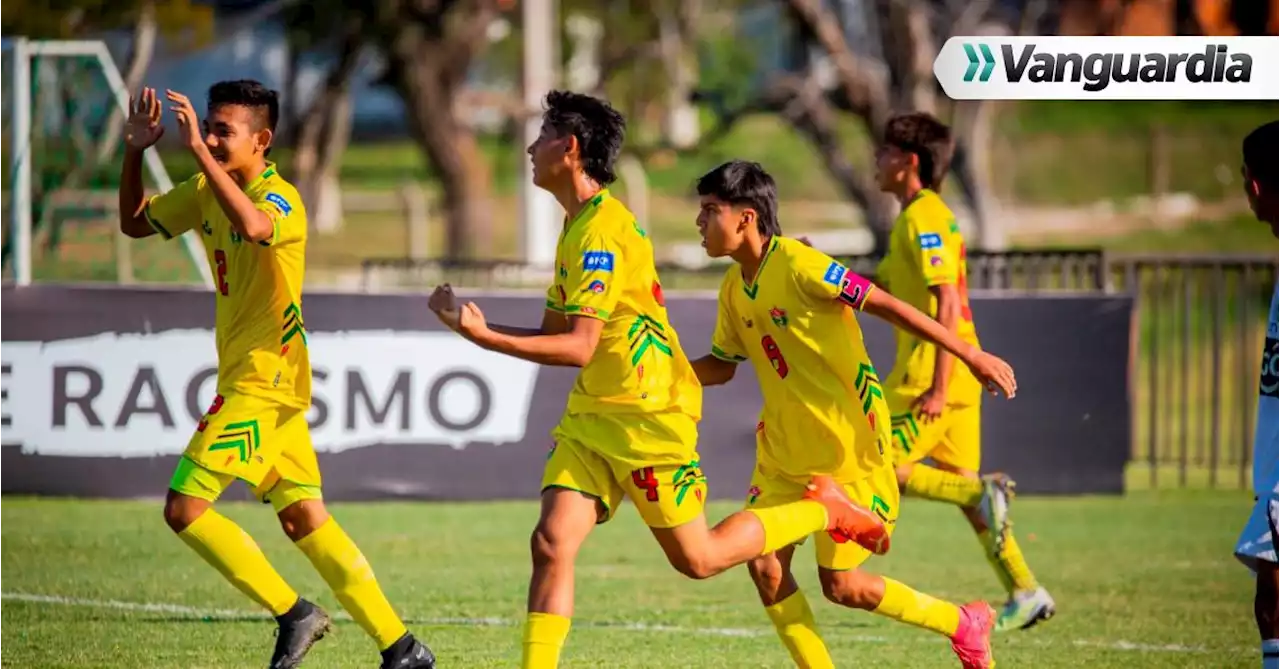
pixel 774 354
pixel 220 259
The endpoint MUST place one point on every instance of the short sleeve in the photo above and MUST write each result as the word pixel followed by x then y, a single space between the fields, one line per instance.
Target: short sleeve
pixel 726 345
pixel 175 211
pixel 282 204
pixel 822 278
pixel 593 283
pixel 555 297
pixel 939 262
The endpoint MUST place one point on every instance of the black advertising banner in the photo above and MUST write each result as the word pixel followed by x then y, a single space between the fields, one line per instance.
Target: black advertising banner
pixel 103 386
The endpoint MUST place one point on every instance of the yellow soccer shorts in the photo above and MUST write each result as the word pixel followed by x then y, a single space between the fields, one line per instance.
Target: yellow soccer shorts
pixel 264 444
pixel 877 491
pixel 953 438
pixel 666 486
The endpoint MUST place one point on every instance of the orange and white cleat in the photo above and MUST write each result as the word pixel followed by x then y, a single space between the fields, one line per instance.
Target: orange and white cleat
pixel 846 521
pixel 972 642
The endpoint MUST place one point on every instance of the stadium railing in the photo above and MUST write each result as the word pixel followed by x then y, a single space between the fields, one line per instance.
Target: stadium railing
pixel 1196 343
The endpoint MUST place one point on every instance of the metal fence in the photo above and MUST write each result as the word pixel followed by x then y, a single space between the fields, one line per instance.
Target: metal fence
pixel 1195 349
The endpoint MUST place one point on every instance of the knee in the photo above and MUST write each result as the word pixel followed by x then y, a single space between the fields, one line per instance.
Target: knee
pixel 180 511
pixel 695 567
pixel 302 518
pixel 767 572
pixel 548 548
pixel 904 472
pixel 852 588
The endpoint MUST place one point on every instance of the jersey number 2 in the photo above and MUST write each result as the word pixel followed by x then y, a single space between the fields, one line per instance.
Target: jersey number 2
pixel 220 259
pixel 774 354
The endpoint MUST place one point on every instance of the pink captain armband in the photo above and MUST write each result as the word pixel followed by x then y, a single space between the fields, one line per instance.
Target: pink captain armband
pixel 854 290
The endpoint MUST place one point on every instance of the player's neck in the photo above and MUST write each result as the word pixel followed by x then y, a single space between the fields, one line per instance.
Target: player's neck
pixel 575 195
pixel 750 255
pixel 248 174
pixel 909 191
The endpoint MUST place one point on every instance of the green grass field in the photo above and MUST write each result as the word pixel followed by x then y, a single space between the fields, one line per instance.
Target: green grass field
pixel 1142 581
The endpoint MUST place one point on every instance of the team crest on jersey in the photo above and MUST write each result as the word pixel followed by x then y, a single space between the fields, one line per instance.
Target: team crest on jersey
pixel 596 286
pixel 779 316
pixel 935 261
pixel 753 494
pixel 280 203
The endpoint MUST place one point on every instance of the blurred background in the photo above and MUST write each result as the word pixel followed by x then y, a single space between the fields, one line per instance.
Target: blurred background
pixel 404 125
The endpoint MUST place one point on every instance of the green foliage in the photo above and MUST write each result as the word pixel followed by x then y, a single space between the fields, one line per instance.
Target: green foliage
pixel 180 20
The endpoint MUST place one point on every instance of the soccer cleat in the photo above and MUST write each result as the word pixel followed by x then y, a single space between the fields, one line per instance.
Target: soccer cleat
pixel 972 642
pixel 997 491
pixel 847 521
pixel 1025 609
pixel 408 653
pixel 300 628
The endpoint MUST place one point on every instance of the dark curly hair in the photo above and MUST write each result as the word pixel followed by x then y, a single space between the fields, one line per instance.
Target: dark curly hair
pixel 926 137
pixel 743 183
pixel 597 125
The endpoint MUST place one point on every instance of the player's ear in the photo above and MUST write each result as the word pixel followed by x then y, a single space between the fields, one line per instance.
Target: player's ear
pixel 571 146
pixel 747 219
pixel 262 140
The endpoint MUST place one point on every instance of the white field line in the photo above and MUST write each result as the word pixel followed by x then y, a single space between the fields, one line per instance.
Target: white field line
pixel 245 614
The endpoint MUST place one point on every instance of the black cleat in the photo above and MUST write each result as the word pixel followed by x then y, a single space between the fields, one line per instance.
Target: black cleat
pixel 300 628
pixel 408 653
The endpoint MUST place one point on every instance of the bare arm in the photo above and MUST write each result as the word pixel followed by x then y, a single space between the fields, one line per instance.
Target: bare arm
pixel 250 222
pixel 713 371
pixel 900 314
pixel 948 317
pixel 571 348
pixel 133 222
pixel 553 322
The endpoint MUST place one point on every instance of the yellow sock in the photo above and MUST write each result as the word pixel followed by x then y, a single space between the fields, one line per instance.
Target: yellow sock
pixel 935 484
pixel 544 635
pixel 349 575
pixel 786 524
pixel 236 555
pixel 1011 567
pixel 916 608
pixel 794 621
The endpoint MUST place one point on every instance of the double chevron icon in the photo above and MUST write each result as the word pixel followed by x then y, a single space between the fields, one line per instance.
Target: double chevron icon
pixel 646 333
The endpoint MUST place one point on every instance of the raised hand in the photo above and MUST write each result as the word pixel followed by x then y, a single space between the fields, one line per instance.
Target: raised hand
pixel 142 129
pixel 188 122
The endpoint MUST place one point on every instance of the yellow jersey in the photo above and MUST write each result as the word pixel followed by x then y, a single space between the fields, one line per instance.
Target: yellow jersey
pixel 824 411
pixel 926 249
pixel 605 270
pixel 261 339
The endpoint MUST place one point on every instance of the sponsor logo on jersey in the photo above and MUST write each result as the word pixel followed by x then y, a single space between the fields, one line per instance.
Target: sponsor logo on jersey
pixel 597 261
pixel 1267 383
pixel 930 240
pixel 280 203
pixel 835 272
pixel 935 260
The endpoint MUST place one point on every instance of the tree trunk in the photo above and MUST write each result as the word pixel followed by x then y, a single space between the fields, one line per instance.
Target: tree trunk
pixel 450 146
pixel 321 138
pixel 144 47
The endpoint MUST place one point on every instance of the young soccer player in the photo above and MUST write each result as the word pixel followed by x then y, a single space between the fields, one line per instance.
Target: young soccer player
pixel 254 230
pixel 935 405
pixel 630 427
pixel 789 310
pixel 1258 542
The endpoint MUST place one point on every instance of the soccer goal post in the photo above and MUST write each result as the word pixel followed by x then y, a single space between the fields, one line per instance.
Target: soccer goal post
pixel 27 119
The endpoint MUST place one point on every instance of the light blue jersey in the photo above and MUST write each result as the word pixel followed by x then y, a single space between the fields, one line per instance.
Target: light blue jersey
pixel 1266 440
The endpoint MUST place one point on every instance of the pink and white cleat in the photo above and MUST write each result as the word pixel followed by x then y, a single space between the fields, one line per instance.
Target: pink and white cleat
pixel 972 642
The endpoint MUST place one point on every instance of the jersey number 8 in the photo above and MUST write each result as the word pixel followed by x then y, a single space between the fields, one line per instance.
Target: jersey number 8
pixel 774 355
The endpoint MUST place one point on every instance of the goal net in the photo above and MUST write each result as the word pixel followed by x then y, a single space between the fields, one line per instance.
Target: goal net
pixel 64 107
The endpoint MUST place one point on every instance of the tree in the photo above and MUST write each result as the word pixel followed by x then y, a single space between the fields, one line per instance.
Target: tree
pixel 429 46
